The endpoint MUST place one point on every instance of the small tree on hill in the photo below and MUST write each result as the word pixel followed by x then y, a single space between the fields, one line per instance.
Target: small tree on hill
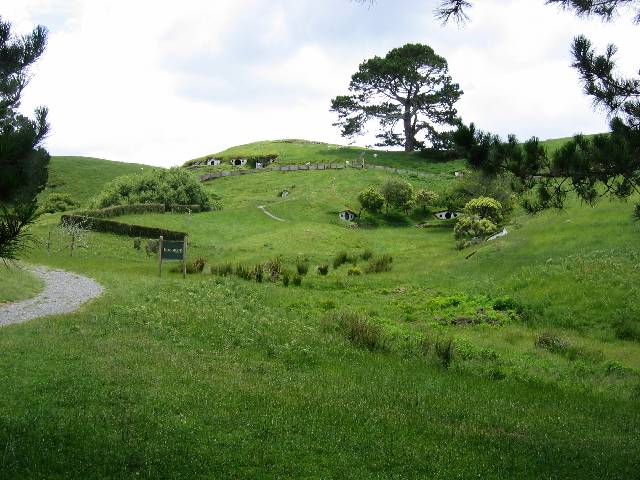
pixel 371 201
pixel 398 194
pixel 409 88
pixel 425 198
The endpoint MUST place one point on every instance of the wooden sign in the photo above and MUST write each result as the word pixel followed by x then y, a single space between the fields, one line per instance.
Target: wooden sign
pixel 173 250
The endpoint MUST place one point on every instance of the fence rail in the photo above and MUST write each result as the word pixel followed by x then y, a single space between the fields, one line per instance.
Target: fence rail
pixel 312 166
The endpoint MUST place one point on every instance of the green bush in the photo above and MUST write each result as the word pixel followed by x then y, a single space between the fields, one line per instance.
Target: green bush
pixel 425 198
pixel 354 271
pixel 285 279
pixel 302 266
pixel 137 243
pixel 380 264
pixel 360 331
pixel 552 342
pixel 471 227
pixel 485 207
pixel 476 184
pixel 398 194
pixel 119 210
pixel 297 280
pixel 174 186
pixel 323 269
pixel 58 202
pixel 371 201
pixel 222 269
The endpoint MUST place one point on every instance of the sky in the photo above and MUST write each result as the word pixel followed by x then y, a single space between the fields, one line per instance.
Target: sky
pixel 159 82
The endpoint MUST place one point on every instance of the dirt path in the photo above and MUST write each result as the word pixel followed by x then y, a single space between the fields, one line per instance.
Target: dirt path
pixel 262 207
pixel 64 292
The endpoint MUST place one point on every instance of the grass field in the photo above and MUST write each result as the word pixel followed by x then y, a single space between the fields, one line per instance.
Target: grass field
pixel 17 284
pixel 84 177
pixel 218 377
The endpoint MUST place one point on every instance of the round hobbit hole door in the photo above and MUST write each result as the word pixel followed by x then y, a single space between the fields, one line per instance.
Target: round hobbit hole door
pixel 447 215
pixel 237 161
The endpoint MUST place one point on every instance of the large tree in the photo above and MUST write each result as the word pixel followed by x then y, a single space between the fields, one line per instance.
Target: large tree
pixel 409 92
pixel 591 167
pixel 23 162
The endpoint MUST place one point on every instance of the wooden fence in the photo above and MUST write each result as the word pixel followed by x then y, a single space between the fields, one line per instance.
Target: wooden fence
pixel 313 166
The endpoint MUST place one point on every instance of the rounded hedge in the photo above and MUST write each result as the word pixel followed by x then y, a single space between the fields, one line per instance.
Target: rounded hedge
pixel 174 186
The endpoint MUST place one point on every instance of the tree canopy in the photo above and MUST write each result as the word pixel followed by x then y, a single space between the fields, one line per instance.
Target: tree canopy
pixel 24 164
pixel 408 92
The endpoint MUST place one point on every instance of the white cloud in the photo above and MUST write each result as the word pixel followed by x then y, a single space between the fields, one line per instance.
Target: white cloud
pixel 154 82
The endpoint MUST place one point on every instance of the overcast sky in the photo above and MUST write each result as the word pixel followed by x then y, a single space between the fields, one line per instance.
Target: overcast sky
pixel 160 82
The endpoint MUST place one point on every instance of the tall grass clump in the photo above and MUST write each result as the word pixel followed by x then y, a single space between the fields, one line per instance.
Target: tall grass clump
pixel 340 259
pixel 302 266
pixel 366 255
pixel 323 269
pixel 222 269
pixel 444 351
pixel 380 264
pixel 297 280
pixel 361 331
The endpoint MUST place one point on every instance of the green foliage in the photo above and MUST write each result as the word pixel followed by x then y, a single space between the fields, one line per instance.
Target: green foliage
pixel 302 266
pixel 359 330
pixel 15 238
pixel 343 257
pixel 58 202
pixel 472 227
pixel 323 269
pixel 425 199
pixel 169 187
pixel 370 200
pixel 354 271
pixel 274 268
pixel 285 279
pixel 407 92
pixel 380 264
pixel 222 269
pixel 476 184
pixel 297 280
pixel 119 228
pixel 397 194
pixel 468 310
pixel 137 243
pixel 366 254
pixel 23 163
pixel 485 207
pixel 444 351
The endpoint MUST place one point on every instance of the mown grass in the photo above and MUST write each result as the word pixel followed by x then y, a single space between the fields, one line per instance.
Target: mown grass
pixel 344 376
pixel 17 284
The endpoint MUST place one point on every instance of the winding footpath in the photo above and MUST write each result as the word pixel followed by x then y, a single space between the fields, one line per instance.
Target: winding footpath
pixel 263 208
pixel 64 292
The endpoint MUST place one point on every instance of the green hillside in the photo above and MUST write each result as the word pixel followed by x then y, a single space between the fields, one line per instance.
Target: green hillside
pixel 346 375
pixel 296 152
pixel 84 177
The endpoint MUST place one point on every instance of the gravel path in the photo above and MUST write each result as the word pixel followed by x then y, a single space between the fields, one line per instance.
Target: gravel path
pixel 64 292
pixel 262 207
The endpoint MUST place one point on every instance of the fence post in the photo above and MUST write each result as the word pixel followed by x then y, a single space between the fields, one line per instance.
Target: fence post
pixel 160 256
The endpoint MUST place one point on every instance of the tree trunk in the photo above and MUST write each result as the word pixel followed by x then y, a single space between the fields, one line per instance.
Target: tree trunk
pixel 409 140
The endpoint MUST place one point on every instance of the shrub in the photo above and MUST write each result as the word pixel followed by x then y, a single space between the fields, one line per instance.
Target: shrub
pixel 370 200
pixel 152 247
pixel 285 279
pixel 297 280
pixel 273 268
pixel 199 263
pixel 627 329
pixel 425 198
pixel 137 243
pixel 302 266
pixel 485 208
pixel 354 271
pixel 553 343
pixel 366 255
pixel 119 210
pixel 340 259
pixel 471 227
pixel 243 272
pixel 444 351
pixel 323 269
pixel 58 202
pixel 222 269
pixel 360 331
pixel 174 186
pixel 397 194
pixel 476 184
pixel 381 264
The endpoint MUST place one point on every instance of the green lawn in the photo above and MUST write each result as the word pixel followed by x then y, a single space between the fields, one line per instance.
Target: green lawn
pixel 218 377
pixel 17 284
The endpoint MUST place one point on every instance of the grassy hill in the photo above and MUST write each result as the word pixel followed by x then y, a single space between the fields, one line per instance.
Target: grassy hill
pixel 218 377
pixel 84 177
pixel 296 152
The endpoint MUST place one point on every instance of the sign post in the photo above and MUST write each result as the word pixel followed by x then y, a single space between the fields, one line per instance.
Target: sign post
pixel 173 250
